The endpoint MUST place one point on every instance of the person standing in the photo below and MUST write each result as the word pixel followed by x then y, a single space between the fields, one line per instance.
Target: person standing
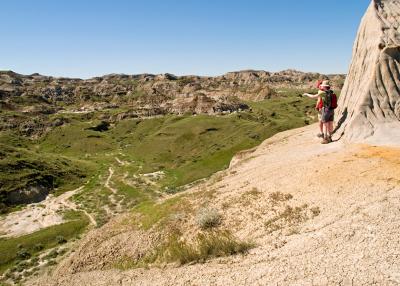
pixel 327 102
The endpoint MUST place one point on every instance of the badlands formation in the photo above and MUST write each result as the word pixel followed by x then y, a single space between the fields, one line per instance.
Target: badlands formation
pixel 369 107
pixel 315 214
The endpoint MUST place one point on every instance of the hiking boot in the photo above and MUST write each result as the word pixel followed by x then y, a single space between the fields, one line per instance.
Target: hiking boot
pixel 320 135
pixel 325 141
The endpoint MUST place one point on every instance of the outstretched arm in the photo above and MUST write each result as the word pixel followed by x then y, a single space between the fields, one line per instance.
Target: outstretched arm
pixel 311 95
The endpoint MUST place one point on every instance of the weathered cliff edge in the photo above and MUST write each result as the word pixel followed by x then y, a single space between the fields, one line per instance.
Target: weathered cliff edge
pixel 369 108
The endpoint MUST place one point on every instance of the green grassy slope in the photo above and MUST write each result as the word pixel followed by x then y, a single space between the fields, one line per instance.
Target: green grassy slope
pixel 186 148
pixel 26 249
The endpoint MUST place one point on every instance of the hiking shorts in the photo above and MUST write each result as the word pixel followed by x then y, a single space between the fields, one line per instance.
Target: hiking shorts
pixel 327 115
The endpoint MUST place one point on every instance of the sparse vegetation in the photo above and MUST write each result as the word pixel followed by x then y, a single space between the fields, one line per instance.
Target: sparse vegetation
pixel 276 197
pixel 208 218
pixel 41 171
pixel 315 211
pixel 23 254
pixel 252 194
pixel 51 255
pixel 148 214
pixel 289 217
pixel 22 248
pixel 205 246
pixel 61 239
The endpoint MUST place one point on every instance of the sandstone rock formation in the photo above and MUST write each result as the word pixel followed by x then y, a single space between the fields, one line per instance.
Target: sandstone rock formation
pixel 369 108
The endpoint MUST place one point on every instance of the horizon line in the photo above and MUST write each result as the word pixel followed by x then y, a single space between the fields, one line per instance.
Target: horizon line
pixel 168 73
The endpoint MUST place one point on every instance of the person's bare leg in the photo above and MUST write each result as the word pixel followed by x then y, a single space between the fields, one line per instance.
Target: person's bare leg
pixel 321 129
pixel 325 132
pixel 330 128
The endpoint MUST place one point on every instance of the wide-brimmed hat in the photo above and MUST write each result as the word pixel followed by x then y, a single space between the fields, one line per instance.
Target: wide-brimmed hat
pixel 325 83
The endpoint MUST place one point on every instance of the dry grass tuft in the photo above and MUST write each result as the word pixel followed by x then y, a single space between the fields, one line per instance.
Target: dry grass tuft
pixel 177 250
pixel 208 218
pixel 276 197
pixel 289 217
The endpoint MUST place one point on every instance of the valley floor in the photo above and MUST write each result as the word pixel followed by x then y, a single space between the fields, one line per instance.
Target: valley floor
pixel 353 237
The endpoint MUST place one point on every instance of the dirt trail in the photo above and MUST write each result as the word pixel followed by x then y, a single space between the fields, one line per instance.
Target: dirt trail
pixel 39 215
pixel 120 162
pixel 353 240
pixel 107 183
pixel 114 192
pixel 72 206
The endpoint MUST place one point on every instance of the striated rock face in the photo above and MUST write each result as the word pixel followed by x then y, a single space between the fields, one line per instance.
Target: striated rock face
pixel 369 108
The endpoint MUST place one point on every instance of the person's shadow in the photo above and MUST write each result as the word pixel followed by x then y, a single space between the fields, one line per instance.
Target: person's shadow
pixel 339 124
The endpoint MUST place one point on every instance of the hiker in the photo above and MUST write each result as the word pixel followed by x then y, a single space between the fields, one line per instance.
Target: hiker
pixel 318 108
pixel 326 104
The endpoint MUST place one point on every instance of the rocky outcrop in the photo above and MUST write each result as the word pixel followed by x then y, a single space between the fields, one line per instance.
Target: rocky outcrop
pixel 28 195
pixel 139 90
pixel 369 108
pixel 27 100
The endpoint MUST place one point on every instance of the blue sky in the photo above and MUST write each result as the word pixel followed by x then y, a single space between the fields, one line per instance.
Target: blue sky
pixel 205 37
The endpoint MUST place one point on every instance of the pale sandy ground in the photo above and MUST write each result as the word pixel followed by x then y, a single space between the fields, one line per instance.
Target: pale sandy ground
pixel 36 216
pixel 355 240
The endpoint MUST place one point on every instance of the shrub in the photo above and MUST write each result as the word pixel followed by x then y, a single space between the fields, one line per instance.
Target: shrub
pixel 34 260
pixel 51 262
pixel 9 275
pixel 172 190
pixel 23 254
pixel 279 197
pixel 208 218
pixel 315 211
pixel 21 266
pixel 61 239
pixel 38 247
pixel 52 254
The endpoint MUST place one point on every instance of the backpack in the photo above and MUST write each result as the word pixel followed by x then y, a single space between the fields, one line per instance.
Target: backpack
pixel 329 100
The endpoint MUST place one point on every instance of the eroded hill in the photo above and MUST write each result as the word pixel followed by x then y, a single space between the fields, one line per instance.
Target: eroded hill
pixel 297 212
